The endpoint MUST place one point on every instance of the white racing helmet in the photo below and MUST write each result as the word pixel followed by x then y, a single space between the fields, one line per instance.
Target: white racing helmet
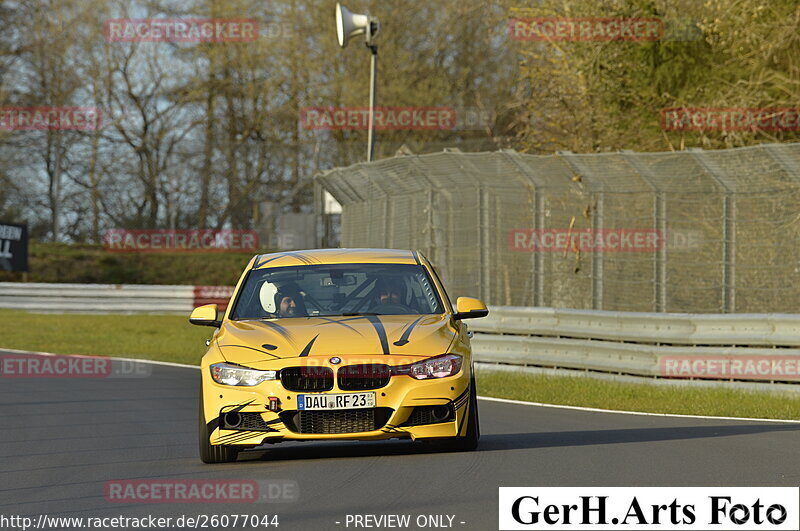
pixel 267 297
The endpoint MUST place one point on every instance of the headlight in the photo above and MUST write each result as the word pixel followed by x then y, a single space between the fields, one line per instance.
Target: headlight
pixel 227 374
pixel 437 367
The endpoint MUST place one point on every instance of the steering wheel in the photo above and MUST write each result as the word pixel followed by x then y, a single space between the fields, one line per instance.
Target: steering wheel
pixel 392 309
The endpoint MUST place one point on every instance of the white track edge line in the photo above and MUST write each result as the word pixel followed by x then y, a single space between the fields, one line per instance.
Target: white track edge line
pixel 621 412
pixel 487 398
pixel 152 362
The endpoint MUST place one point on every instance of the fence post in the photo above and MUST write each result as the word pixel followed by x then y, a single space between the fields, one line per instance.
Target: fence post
pixel 537 260
pixel 432 240
pixel 660 214
pixel 319 215
pixel 597 256
pixel 485 275
pixel 660 223
pixel 377 240
pixel 597 196
pixel 728 230
pixel 370 200
pixel 387 231
pixel 430 227
pixel 484 236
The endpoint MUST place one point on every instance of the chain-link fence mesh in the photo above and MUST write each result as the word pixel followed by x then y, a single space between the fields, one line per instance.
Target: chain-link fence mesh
pixel 689 231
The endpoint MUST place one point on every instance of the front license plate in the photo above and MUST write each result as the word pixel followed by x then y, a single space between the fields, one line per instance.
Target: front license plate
pixel 336 401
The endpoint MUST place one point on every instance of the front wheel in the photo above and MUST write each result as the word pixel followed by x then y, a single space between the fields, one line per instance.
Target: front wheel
pixel 212 453
pixel 469 441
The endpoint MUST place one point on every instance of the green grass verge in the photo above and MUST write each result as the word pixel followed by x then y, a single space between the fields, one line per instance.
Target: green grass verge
pixel 172 338
pixel 603 394
pixel 152 337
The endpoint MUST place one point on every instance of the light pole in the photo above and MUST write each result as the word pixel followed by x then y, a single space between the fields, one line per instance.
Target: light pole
pixel 348 25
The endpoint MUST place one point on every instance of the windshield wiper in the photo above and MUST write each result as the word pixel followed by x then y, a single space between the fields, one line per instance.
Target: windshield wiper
pixel 356 314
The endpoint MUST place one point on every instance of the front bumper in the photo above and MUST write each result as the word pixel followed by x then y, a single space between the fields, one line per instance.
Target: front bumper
pixel 404 409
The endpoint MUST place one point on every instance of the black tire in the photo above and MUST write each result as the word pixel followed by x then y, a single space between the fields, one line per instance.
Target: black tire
pixel 469 441
pixel 212 453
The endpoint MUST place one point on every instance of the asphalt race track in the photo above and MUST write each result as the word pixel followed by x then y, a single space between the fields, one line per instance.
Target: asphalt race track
pixel 62 439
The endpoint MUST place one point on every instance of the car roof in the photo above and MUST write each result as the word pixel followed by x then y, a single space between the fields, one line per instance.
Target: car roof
pixel 335 256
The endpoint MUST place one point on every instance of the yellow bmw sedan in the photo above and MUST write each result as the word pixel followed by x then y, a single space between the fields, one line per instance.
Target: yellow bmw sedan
pixel 359 344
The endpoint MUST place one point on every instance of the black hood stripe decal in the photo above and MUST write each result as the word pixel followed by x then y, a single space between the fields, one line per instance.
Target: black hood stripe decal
pixel 407 333
pixel 280 330
pixel 354 318
pixel 342 323
pixel 381 331
pixel 307 260
pixel 307 348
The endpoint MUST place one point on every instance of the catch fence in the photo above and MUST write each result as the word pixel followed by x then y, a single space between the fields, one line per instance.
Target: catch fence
pixel 691 231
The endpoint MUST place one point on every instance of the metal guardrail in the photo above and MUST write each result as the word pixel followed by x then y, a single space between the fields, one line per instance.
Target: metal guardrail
pixel 656 328
pixel 730 346
pixel 642 344
pixel 96 298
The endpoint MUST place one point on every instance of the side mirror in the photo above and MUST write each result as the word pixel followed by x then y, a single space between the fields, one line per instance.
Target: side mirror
pixel 205 315
pixel 470 308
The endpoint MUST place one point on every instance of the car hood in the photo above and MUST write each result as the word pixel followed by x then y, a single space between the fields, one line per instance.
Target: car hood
pixel 252 341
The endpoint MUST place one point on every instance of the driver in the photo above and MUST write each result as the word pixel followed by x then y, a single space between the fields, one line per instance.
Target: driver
pixel 289 303
pixel 390 291
pixel 282 301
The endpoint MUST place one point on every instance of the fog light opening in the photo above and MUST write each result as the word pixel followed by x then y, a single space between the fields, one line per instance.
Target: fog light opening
pixel 233 419
pixel 440 413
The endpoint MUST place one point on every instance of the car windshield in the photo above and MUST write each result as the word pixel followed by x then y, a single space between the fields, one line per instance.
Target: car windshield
pixel 337 290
